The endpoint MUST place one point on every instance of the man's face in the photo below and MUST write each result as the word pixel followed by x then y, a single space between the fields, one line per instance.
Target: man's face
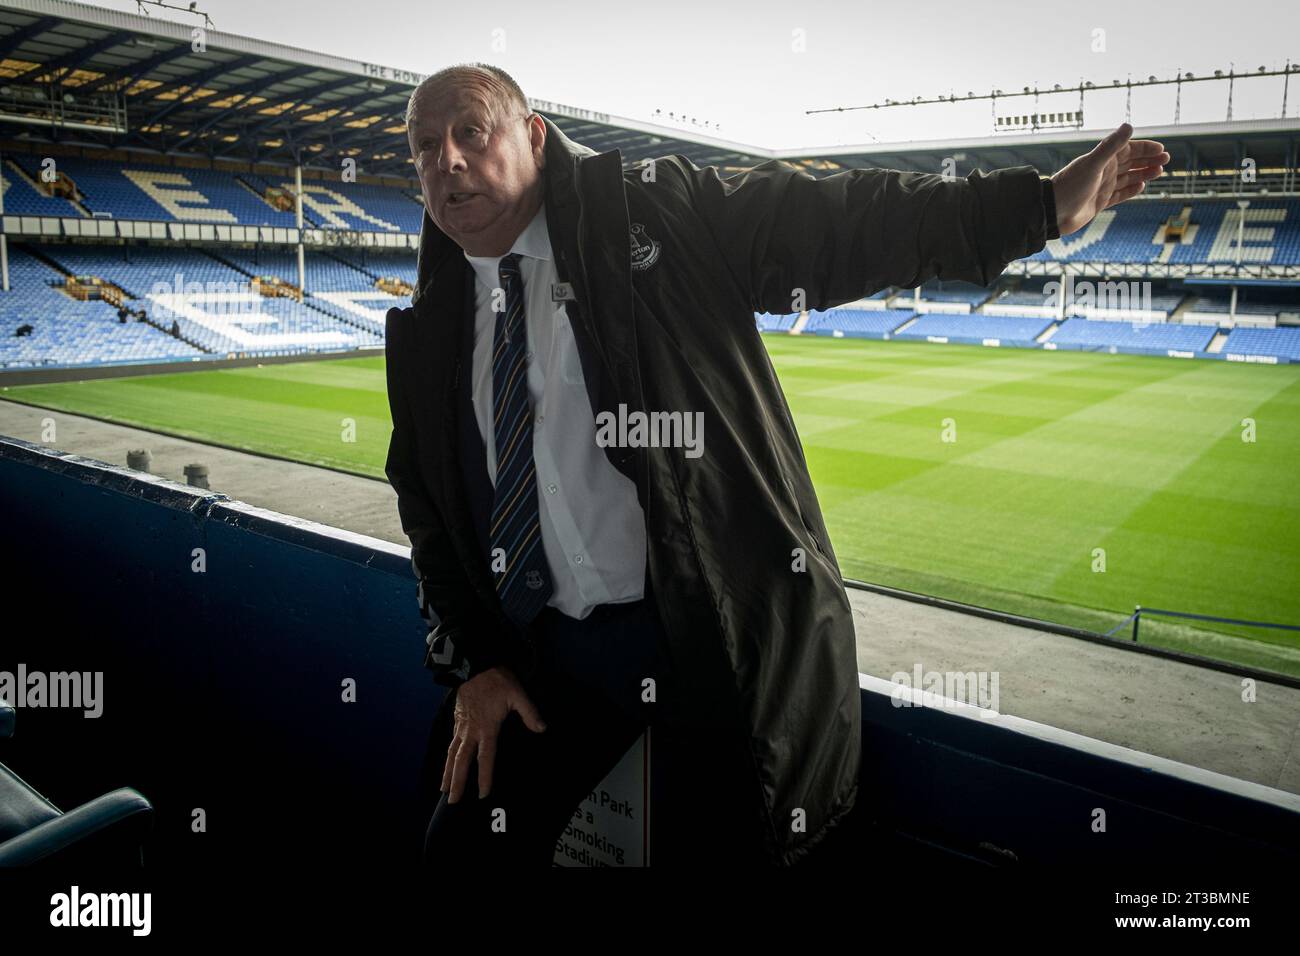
pixel 479 161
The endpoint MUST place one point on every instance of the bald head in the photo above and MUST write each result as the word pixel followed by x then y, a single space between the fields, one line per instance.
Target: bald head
pixel 479 153
pixel 504 91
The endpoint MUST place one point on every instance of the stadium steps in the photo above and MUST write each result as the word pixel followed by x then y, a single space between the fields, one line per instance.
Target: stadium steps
pixel 181 336
pixel 261 197
pixel 226 262
pixel 351 265
pixel 308 221
pixel 1187 305
pixel 340 315
pixel 1216 343
pixel 35 252
pixel 1048 332
pixel 799 323
pixel 906 325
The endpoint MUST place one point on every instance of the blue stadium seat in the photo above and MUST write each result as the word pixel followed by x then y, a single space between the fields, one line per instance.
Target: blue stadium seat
pixel 1091 334
pixel 1280 343
pixel 216 307
pixel 976 327
pixel 1128 233
pixel 140 190
pixel 875 322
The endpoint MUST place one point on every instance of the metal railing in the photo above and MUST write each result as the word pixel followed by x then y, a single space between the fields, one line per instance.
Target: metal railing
pixel 1138 610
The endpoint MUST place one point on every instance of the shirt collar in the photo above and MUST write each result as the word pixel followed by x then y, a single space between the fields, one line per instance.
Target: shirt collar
pixel 534 242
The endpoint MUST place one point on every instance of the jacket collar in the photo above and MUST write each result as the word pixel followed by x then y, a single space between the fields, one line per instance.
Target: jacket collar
pixel 438 251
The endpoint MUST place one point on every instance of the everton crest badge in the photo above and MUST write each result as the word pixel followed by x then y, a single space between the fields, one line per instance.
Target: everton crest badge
pixel 645 251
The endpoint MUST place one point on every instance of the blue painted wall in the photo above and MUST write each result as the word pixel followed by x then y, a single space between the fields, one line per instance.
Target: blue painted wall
pixel 223 691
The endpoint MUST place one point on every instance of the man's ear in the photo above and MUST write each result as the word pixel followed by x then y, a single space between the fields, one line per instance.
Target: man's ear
pixel 537 139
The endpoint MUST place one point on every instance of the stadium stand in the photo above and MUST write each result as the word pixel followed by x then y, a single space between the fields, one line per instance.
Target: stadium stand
pixel 166 193
pixel 214 304
pixel 857 321
pixel 1006 329
pixel 358 206
pixel 873 323
pixel 68 332
pixel 1223 305
pixel 1271 234
pixel 1020 298
pixel 378 264
pixel 775 323
pixel 1218 310
pixel 349 288
pixel 1092 335
pixel 1133 233
pixel 21 196
pixel 336 287
pixel 1274 343
pixel 963 292
pixel 138 190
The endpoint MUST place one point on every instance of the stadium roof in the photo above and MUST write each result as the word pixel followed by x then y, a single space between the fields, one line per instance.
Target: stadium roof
pixel 77 74
pixel 121 80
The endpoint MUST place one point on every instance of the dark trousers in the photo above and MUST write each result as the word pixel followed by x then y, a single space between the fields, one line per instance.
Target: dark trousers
pixel 589 689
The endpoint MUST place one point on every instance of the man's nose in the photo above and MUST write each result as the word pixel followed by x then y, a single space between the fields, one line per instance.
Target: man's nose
pixel 450 158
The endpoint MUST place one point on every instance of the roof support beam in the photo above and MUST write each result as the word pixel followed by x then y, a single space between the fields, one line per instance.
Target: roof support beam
pixel 138 70
pixel 10 42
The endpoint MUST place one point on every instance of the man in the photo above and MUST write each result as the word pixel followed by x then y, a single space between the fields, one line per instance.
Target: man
pixel 590 575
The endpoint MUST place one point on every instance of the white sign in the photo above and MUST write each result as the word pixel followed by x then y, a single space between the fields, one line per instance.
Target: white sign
pixel 611 827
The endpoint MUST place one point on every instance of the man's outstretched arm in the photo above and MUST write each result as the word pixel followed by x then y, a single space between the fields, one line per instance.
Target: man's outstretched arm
pixel 794 241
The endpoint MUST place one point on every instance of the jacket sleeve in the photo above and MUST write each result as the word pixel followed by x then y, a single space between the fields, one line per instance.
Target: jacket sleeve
pixel 459 639
pixel 851 234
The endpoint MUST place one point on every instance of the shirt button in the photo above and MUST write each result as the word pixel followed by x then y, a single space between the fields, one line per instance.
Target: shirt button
pixel 540 419
pixel 577 559
pixel 529 356
pixel 552 488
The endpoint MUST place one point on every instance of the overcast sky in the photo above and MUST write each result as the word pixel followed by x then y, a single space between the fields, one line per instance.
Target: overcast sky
pixel 753 69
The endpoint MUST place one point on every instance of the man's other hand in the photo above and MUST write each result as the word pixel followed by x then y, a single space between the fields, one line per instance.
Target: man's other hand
pixel 482 705
pixel 1116 169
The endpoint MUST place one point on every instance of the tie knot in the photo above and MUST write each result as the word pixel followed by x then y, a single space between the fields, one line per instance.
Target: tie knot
pixel 509 267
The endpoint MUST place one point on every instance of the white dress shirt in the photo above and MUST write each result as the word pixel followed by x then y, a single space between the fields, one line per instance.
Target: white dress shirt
pixel 593 527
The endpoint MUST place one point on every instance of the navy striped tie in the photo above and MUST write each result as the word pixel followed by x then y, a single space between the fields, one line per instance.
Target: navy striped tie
pixel 524 583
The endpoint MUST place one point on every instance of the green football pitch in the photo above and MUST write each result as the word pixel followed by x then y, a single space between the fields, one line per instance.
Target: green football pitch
pixel 1065 486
